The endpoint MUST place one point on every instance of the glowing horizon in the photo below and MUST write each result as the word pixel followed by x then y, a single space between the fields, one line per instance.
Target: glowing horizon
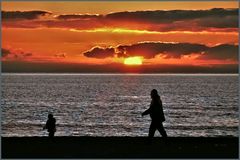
pixel 133 61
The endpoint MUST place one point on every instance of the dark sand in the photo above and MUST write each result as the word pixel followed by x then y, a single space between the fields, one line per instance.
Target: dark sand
pixel 119 147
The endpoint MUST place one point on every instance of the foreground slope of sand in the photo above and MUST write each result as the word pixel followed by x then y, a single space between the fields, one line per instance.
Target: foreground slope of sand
pixel 119 147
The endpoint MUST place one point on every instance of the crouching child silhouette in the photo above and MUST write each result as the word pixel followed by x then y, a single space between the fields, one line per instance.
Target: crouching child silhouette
pixel 156 114
pixel 50 126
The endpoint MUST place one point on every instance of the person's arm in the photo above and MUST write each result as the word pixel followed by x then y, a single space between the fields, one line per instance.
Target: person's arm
pixel 146 112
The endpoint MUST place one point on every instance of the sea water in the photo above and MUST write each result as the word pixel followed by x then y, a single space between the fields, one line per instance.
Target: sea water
pixel 111 104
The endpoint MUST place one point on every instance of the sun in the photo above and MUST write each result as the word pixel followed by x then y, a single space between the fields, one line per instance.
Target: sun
pixel 133 61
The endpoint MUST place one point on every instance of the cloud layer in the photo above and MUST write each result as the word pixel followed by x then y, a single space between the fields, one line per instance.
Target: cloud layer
pixel 166 50
pixel 8 54
pixel 99 52
pixel 219 15
pixel 23 15
pixel 5 52
pixel 216 19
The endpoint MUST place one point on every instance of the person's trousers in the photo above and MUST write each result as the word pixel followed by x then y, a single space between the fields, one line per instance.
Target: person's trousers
pixel 156 126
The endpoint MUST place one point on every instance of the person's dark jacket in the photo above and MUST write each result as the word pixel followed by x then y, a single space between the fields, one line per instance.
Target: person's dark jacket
pixel 51 125
pixel 155 110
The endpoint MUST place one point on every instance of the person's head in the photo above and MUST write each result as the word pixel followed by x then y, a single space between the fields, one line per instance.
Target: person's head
pixel 50 116
pixel 154 94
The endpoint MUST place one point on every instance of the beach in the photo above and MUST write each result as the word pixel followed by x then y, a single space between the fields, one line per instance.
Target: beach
pixel 120 147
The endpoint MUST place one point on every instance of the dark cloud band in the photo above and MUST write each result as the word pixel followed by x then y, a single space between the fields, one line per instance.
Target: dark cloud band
pixel 6 53
pixel 216 17
pixel 167 50
pixel 159 20
pixel 98 52
pixel 27 15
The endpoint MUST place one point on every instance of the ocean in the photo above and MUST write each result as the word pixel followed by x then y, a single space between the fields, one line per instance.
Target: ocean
pixel 195 105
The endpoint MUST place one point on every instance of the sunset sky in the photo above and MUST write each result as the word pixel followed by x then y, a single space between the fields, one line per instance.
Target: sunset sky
pixel 120 37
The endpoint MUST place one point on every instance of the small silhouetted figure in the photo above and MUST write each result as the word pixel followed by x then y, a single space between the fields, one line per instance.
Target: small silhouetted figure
pixel 156 114
pixel 50 125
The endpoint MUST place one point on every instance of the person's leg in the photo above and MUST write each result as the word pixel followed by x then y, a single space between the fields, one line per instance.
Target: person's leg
pixel 152 130
pixel 161 130
pixel 51 134
pixel 151 133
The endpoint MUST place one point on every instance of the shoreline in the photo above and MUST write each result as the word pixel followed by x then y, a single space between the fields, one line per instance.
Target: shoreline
pixel 120 147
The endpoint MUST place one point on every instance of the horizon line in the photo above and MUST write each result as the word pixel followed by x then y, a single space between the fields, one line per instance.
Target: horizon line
pixel 75 73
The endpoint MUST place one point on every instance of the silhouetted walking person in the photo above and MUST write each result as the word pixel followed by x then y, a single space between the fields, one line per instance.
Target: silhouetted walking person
pixel 50 125
pixel 156 114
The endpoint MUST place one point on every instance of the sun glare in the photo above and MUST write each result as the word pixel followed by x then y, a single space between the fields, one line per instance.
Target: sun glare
pixel 133 61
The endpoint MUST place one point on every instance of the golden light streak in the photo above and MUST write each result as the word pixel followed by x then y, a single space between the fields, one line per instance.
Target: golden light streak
pixel 134 31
